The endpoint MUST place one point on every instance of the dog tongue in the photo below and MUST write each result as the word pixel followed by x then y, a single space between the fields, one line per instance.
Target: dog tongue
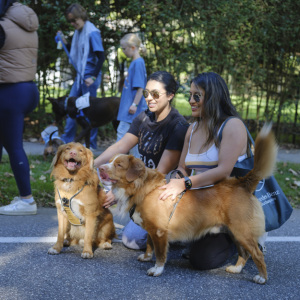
pixel 71 164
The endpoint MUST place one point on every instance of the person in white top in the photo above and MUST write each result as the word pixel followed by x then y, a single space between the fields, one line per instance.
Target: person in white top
pixel 206 160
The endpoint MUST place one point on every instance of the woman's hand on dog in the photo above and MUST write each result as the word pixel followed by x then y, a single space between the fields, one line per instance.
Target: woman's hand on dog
pixel 174 188
pixel 109 200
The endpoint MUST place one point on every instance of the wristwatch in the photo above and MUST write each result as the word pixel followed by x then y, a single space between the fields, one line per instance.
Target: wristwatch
pixel 188 183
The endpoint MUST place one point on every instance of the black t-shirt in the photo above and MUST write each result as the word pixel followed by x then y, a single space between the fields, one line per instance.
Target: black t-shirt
pixel 155 137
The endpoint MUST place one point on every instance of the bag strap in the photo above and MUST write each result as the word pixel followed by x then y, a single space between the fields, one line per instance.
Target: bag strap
pixel 248 133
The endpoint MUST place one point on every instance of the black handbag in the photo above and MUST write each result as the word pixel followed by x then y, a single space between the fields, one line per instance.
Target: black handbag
pixel 276 206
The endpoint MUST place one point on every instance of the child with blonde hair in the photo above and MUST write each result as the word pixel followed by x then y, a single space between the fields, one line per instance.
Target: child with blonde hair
pixel 132 100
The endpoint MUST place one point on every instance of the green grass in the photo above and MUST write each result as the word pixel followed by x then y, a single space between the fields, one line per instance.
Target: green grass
pixel 286 179
pixel 43 190
pixel 182 105
pixel 41 184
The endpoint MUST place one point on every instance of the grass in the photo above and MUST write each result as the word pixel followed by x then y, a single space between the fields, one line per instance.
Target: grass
pixel 43 191
pixel 41 184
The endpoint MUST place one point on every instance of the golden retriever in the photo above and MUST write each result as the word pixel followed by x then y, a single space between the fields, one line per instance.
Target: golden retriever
pixel 229 203
pixel 79 200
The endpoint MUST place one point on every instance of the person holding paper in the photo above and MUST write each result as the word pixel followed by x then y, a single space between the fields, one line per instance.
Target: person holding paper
pixel 87 55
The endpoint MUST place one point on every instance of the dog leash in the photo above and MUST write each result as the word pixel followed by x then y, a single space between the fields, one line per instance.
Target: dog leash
pixel 168 178
pixel 67 206
pixel 58 38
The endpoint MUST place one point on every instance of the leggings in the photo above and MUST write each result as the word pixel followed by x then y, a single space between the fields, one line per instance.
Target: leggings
pixel 17 100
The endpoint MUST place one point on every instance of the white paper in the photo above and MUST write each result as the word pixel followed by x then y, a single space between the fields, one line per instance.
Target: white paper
pixel 83 101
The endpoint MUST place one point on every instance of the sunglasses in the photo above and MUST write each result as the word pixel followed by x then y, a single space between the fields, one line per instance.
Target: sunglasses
pixel 155 94
pixel 196 97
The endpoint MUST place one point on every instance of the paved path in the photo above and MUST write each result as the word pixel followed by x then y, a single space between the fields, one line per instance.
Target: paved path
pixel 27 272
pixel 284 155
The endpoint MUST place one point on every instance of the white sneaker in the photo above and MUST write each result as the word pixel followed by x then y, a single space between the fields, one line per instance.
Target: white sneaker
pixel 17 207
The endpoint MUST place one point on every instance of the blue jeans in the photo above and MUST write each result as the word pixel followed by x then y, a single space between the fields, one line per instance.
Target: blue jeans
pixel 134 236
pixel 121 131
pixel 71 125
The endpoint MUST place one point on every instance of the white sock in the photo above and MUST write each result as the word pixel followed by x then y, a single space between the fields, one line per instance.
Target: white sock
pixel 30 200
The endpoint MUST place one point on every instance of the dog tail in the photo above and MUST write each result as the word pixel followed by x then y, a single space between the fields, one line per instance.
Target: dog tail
pixel 50 137
pixel 264 158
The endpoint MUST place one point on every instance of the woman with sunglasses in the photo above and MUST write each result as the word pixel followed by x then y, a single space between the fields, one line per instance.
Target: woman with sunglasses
pixel 159 133
pixel 87 54
pixel 205 160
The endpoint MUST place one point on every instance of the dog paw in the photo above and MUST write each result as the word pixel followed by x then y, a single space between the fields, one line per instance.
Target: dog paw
pixel 53 251
pixel 144 257
pixel 87 255
pixel 259 279
pixel 234 269
pixel 105 246
pixel 155 271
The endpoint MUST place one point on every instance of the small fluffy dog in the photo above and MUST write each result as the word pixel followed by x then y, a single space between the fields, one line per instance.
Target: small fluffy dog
pixel 229 203
pixel 79 200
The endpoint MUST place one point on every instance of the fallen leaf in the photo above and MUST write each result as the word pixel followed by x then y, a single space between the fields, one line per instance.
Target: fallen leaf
pixel 293 172
pixel 297 183
pixel 6 174
pixel 42 177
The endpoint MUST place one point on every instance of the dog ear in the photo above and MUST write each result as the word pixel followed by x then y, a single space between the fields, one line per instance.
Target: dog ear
pixel 136 169
pixel 90 158
pixel 60 149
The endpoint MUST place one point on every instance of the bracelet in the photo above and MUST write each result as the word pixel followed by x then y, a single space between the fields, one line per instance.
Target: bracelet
pixel 134 104
pixel 93 77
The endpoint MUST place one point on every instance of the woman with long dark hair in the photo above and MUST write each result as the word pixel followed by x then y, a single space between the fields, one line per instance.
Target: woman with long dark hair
pixel 205 159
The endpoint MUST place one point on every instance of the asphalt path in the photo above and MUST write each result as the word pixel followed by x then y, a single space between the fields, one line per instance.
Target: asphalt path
pixel 28 272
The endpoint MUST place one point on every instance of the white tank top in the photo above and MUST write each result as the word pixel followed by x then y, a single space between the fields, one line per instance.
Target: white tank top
pixel 202 162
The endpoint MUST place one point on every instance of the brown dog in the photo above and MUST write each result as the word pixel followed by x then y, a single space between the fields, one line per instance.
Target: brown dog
pixel 229 203
pixel 79 201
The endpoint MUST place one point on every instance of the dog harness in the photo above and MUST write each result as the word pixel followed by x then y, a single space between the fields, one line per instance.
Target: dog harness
pixel 67 206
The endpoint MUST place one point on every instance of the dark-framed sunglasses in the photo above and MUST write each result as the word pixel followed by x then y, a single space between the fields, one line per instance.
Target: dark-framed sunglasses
pixel 155 94
pixel 196 97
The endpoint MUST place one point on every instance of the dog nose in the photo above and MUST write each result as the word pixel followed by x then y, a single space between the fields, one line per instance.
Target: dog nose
pixel 73 153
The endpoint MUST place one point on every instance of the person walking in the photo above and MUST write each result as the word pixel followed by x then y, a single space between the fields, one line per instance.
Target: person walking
pixel 87 54
pixel 132 99
pixel 18 94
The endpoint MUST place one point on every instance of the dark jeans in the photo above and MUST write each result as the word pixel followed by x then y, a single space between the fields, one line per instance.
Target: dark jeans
pixel 211 251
